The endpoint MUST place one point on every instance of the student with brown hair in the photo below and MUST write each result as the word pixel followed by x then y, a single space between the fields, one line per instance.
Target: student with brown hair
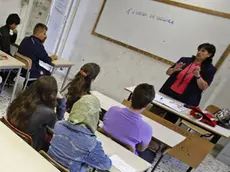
pixel 33 110
pixel 33 48
pixel 81 84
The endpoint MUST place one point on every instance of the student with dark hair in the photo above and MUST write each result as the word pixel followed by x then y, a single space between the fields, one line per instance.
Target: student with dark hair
pixel 190 76
pixel 6 38
pixel 126 124
pixel 33 48
pixel 33 110
pixel 81 84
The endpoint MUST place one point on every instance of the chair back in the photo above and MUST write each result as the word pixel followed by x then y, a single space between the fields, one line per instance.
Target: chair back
pixel 212 108
pixel 26 60
pixel 130 148
pixel 53 162
pixel 21 134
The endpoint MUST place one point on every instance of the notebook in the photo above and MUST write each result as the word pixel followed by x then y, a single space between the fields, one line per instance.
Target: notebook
pixel 121 165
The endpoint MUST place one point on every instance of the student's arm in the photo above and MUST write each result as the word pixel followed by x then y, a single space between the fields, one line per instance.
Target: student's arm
pixel 51 120
pixel 204 80
pixel 146 137
pixel 61 107
pixel 43 55
pixel 13 37
pixel 3 46
pixel 46 116
pixel 98 159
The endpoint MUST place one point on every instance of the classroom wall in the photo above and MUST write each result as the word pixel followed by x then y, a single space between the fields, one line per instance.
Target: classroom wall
pixel 7 7
pixel 120 66
pixel 218 93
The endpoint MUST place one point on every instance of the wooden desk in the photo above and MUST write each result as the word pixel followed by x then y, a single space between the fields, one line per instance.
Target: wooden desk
pixel 11 63
pixel 185 115
pixel 112 148
pixel 160 132
pixel 61 63
pixel 17 155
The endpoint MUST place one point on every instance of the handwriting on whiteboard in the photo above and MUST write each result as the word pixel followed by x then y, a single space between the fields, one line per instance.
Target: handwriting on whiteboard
pixel 132 11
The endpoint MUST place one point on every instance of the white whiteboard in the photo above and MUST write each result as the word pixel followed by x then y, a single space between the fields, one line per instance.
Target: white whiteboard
pixel 217 5
pixel 139 23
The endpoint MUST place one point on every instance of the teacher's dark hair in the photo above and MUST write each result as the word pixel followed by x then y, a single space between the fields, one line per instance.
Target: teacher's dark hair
pixel 211 50
pixel 143 94
pixel 42 91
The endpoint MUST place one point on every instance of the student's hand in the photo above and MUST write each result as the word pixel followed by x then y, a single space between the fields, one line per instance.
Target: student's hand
pixel 15 31
pixel 59 96
pixel 196 71
pixel 54 57
pixel 178 66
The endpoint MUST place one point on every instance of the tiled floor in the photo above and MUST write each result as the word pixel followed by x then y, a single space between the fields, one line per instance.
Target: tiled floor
pixel 168 164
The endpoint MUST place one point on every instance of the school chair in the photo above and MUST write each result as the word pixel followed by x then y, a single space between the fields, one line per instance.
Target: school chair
pixel 130 148
pixel 28 65
pixel 191 127
pixel 53 162
pixel 21 134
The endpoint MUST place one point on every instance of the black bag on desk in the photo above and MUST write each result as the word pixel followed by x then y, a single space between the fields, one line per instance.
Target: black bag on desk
pixel 223 117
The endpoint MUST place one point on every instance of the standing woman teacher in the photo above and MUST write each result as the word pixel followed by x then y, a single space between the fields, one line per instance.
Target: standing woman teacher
pixel 190 76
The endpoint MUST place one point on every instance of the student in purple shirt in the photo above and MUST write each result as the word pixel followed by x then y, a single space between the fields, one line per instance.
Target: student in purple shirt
pixel 126 124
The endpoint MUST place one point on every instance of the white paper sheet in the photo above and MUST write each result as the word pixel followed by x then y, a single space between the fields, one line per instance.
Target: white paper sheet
pixel 178 106
pixel 121 165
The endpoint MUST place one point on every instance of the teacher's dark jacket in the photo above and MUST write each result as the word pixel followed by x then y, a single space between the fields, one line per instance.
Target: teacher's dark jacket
pixel 192 94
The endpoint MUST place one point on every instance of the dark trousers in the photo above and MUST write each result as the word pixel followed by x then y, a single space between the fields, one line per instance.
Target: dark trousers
pixel 147 155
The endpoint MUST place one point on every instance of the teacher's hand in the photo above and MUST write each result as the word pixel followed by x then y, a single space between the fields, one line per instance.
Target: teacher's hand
pixel 178 66
pixel 196 71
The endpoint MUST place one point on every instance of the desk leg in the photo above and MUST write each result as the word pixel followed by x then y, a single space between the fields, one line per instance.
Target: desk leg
pixel 52 71
pixel 66 76
pixel 159 160
pixel 4 84
pixel 215 139
pixel 190 169
pixel 15 84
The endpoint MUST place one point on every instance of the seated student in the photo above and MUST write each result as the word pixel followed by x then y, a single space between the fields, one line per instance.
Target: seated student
pixel 33 110
pixel 74 144
pixel 126 124
pixel 6 39
pixel 33 48
pixel 81 84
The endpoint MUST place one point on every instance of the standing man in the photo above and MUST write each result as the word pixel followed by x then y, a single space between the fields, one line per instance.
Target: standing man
pixel 6 39
pixel 33 48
